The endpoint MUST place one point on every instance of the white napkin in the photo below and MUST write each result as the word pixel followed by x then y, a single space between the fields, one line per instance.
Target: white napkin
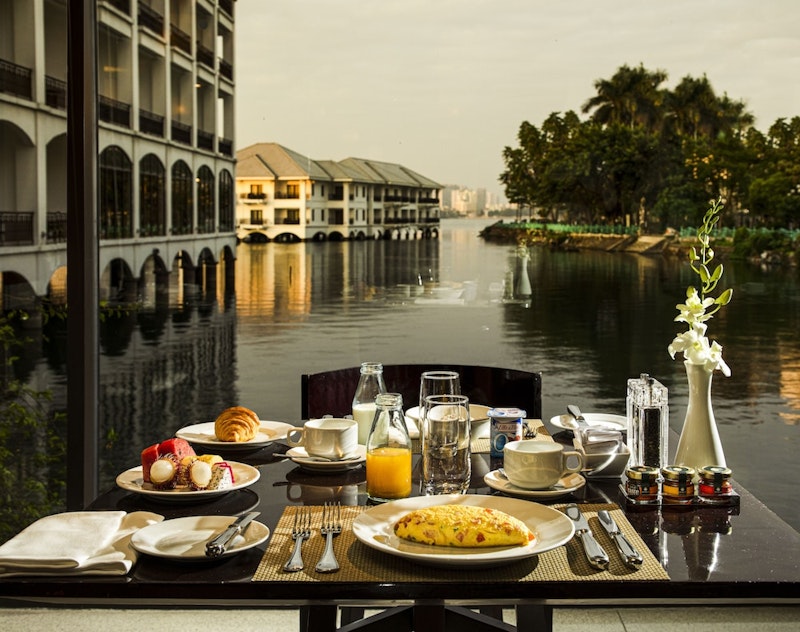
pixel 411 426
pixel 75 543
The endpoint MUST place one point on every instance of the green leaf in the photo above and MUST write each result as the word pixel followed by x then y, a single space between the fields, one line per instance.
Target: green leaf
pixel 704 273
pixel 717 274
pixel 725 297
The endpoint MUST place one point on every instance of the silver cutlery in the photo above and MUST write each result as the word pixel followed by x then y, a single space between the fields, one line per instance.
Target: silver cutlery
pixel 301 531
pixel 580 421
pixel 331 527
pixel 217 545
pixel 630 556
pixel 594 552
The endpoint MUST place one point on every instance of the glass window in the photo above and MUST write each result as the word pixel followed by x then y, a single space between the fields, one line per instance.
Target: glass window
pixel 152 194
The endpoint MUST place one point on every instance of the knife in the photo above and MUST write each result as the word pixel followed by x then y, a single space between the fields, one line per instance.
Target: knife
pixel 217 545
pixel 630 556
pixel 580 420
pixel 594 552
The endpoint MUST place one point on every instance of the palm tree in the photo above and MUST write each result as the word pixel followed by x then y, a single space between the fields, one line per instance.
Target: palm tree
pixel 631 97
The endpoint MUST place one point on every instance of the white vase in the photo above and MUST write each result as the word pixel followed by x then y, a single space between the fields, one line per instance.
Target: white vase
pixel 699 444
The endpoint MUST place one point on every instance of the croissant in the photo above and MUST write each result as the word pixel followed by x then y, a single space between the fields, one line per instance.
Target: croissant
pixel 236 424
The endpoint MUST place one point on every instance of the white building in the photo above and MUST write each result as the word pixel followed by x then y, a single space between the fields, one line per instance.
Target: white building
pixel 282 195
pixel 166 166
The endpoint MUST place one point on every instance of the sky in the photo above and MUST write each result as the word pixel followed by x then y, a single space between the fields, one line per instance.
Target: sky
pixel 442 86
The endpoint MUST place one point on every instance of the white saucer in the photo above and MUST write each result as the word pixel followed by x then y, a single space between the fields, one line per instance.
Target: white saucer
pixel 567 485
pixel 595 420
pixel 300 456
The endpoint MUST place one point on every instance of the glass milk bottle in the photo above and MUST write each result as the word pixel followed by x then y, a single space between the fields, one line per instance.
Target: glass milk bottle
pixel 388 451
pixel 370 385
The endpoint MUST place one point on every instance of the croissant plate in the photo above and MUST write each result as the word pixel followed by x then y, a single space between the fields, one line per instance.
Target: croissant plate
pixel 236 424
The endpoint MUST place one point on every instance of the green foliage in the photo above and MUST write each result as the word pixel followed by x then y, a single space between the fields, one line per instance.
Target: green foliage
pixel 700 261
pixel 645 147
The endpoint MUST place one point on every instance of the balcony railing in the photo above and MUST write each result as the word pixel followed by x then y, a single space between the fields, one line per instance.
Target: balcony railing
pixel 205 140
pixel 180 39
pixel 181 133
pixel 151 19
pixel 284 195
pixel 205 56
pixel 225 146
pixel 113 111
pixel 256 196
pixel 16 229
pixel 290 220
pixel 225 69
pixel 56 227
pixel 55 93
pixel 15 79
pixel 151 123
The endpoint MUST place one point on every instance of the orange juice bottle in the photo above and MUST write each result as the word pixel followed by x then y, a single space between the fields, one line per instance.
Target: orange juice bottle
pixel 388 451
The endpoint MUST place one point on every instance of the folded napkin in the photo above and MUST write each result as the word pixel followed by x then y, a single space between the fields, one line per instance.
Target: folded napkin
pixel 599 441
pixel 75 543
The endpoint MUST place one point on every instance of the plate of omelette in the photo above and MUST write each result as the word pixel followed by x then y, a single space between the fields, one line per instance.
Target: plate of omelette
pixel 463 530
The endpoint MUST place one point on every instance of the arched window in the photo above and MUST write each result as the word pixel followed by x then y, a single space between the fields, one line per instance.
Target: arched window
pixel 205 200
pixel 226 219
pixel 182 201
pixel 152 193
pixel 116 194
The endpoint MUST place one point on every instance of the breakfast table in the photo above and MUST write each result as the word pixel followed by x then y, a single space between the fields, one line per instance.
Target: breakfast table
pixel 742 554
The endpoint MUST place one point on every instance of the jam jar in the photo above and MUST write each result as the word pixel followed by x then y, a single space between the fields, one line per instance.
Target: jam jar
pixel 641 484
pixel 715 484
pixel 678 484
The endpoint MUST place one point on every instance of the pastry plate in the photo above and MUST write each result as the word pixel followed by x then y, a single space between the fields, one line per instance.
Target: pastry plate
pixel 185 538
pixel 595 420
pixel 131 480
pixel 567 485
pixel 300 456
pixel 375 528
pixel 203 434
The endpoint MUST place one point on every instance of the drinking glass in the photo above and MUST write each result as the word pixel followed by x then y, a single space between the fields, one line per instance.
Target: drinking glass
pixel 446 467
pixel 438 383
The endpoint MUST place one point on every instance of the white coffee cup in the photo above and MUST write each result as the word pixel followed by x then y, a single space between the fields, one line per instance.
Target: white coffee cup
pixel 329 438
pixel 533 464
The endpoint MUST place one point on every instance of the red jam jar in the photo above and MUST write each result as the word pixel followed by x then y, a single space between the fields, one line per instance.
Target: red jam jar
pixel 678 484
pixel 641 484
pixel 715 484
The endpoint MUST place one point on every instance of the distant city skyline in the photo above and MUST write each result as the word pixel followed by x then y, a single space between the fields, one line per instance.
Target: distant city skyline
pixel 441 86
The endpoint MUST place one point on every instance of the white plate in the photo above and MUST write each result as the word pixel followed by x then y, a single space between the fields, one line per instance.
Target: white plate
pixel 131 480
pixel 566 485
pixel 375 528
pixel 595 420
pixel 203 434
pixel 477 412
pixel 300 456
pixel 185 538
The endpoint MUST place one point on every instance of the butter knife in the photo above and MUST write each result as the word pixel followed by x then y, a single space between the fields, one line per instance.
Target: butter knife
pixel 594 552
pixel 217 545
pixel 630 556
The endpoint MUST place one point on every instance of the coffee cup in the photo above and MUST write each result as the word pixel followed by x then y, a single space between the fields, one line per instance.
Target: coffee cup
pixel 328 438
pixel 533 464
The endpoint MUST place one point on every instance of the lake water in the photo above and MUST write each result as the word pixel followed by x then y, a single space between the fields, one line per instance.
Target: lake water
pixel 593 320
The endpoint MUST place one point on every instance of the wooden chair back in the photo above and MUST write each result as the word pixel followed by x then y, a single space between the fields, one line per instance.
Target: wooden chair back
pixel 331 392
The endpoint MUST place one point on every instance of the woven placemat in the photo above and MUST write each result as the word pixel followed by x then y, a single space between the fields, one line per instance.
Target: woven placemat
pixel 360 563
pixel 481 445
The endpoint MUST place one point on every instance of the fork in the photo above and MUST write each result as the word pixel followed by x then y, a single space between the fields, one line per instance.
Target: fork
pixel 331 526
pixel 301 531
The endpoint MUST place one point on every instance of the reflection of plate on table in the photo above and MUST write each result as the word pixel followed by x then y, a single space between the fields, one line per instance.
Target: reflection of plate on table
pixel 595 420
pixel 567 485
pixel 375 528
pixel 300 456
pixel 203 434
pixel 185 538
pixel 478 417
pixel 131 480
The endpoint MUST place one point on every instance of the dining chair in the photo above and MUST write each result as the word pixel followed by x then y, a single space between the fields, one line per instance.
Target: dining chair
pixel 331 392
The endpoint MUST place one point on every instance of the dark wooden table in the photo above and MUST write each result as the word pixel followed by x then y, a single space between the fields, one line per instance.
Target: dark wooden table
pixel 745 556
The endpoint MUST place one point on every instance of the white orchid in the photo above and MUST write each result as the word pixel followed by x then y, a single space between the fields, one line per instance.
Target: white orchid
pixel 699 308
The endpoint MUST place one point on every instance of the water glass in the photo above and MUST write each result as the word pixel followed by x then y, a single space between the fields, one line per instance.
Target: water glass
pixel 446 466
pixel 438 383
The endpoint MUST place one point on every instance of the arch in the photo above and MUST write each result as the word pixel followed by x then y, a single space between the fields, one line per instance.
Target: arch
pixel 152 196
pixel 57 286
pixel 117 282
pixel 287 238
pixel 55 230
pixel 319 236
pixel 255 237
pixel 335 236
pixel 115 204
pixel 182 199
pixel 17 169
pixel 205 200
pixel 17 293
pixel 153 280
pixel 226 201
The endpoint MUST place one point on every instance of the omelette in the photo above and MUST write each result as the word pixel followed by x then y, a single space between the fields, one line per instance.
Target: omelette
pixel 462 526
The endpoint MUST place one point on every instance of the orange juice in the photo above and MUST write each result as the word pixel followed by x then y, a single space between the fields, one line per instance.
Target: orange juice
pixel 389 473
